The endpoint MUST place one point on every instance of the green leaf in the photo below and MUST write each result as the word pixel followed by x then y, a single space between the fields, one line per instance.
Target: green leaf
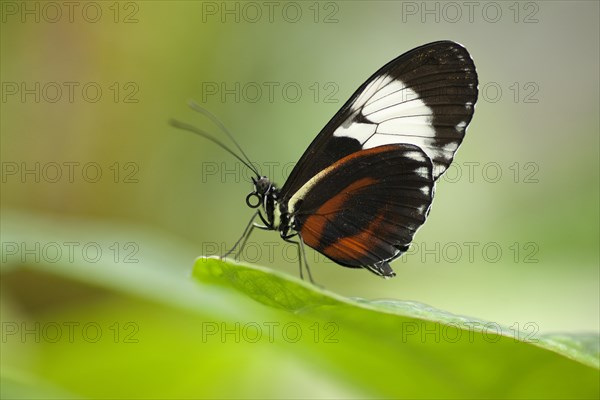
pixel 429 352
pixel 164 335
pixel 19 385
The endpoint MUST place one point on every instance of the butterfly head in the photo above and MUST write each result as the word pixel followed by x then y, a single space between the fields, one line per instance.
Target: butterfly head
pixel 262 185
pixel 262 188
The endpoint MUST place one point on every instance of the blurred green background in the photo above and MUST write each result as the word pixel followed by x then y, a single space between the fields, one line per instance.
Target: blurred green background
pixel 89 164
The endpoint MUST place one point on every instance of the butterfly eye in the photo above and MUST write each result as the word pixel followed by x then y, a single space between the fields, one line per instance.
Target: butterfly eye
pixel 249 200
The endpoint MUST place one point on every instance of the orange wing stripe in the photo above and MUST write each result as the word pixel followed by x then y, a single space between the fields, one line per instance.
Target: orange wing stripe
pixel 312 229
pixel 356 247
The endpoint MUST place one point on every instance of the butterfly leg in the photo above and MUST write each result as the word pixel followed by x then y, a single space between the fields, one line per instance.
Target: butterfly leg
pixel 288 240
pixel 301 254
pixel 301 242
pixel 244 238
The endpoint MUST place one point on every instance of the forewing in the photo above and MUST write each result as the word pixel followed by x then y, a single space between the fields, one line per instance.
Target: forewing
pixel 364 209
pixel 424 97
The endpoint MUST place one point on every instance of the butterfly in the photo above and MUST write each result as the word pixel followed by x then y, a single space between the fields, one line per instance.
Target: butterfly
pixel 366 183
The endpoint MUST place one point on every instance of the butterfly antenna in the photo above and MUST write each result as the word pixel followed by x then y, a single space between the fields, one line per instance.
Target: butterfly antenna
pixel 197 107
pixel 187 127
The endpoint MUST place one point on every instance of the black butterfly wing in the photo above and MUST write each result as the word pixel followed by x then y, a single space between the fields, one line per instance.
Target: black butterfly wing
pixel 363 210
pixel 424 97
